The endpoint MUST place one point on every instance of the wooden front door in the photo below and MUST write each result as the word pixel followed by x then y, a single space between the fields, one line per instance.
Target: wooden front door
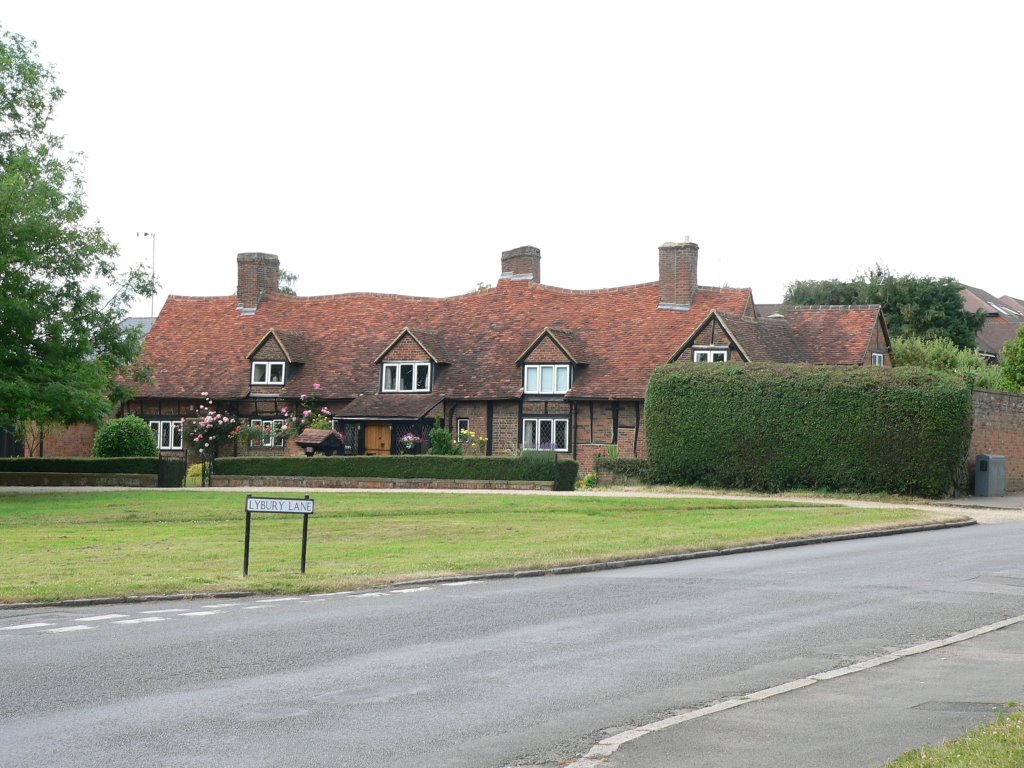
pixel 378 439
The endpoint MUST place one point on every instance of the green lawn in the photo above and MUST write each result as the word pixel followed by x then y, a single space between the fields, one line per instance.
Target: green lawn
pixel 66 545
pixel 995 745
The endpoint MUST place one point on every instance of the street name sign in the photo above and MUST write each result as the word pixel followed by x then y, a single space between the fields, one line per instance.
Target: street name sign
pixel 303 506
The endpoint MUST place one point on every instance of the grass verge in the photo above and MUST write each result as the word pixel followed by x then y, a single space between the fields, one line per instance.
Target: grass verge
pixel 995 745
pixel 72 545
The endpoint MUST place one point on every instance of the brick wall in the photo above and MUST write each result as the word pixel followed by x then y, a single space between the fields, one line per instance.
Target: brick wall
pixel 547 352
pixel 406 350
pixel 505 426
pixel 73 441
pixel 999 429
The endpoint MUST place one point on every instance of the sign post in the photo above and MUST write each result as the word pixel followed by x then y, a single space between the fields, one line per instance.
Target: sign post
pixel 303 506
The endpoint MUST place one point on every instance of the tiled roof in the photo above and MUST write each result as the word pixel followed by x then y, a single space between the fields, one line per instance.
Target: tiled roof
pixel 390 406
pixel 833 335
pixel 200 344
pixel 1004 315
pixel 765 339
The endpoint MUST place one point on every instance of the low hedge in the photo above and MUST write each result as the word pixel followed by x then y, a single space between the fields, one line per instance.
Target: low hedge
pixel 121 465
pixel 562 472
pixel 619 470
pixel 771 427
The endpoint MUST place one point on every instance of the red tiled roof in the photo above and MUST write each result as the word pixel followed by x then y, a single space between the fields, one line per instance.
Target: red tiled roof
pixel 833 335
pixel 200 344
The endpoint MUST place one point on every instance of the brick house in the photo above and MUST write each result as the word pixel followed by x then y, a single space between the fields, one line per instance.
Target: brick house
pixel 526 365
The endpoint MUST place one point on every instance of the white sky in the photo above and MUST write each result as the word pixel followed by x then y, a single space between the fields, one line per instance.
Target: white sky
pixel 401 146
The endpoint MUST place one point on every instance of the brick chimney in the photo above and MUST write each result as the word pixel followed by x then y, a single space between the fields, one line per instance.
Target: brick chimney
pixel 258 275
pixel 521 263
pixel 677 275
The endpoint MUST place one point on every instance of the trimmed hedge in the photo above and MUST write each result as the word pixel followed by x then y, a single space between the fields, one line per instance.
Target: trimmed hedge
pixel 623 469
pixel 120 465
pixel 770 427
pixel 127 436
pixel 562 472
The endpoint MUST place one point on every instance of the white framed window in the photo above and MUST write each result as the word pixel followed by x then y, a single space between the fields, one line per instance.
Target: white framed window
pixel 545 434
pixel 168 434
pixel 546 379
pixel 271 433
pixel 878 358
pixel 268 373
pixel 462 430
pixel 710 355
pixel 406 377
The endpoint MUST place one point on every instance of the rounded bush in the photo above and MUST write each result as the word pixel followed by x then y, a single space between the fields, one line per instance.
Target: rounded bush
pixel 127 436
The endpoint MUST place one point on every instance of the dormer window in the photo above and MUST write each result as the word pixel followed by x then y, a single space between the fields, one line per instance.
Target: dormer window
pixel 406 377
pixel 710 355
pixel 268 374
pixel 546 379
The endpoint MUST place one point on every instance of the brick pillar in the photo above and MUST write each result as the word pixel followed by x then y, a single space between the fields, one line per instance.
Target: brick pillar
pixel 258 275
pixel 521 264
pixel 677 275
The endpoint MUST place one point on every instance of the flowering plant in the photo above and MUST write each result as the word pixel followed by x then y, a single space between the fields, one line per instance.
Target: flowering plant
pixel 471 441
pixel 210 428
pixel 410 440
pixel 309 415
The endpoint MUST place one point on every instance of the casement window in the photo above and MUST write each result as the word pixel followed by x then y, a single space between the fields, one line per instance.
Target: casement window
pixel 271 433
pixel 710 355
pixel 168 434
pixel 545 434
pixel 546 379
pixel 406 377
pixel 878 358
pixel 462 430
pixel 271 374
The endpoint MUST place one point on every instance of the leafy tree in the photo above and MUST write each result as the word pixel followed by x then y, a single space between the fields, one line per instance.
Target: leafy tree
pixel 944 355
pixel 63 353
pixel 927 307
pixel 1013 359
pixel 128 436
pixel 286 281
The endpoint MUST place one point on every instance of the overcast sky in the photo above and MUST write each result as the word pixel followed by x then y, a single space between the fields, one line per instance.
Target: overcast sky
pixel 399 147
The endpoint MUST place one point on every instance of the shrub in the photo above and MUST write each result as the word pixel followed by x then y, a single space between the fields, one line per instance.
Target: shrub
pixel 562 472
pixel 625 471
pixel 127 436
pixel 771 427
pixel 120 465
pixel 440 439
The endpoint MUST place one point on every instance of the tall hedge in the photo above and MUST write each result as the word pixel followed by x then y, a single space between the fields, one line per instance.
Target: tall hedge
pixel 773 427
pixel 528 466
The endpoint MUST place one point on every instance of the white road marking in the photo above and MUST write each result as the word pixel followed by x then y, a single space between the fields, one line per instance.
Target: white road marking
pixel 318 600
pixel 167 610
pixel 607 747
pixel 74 628
pixel 277 599
pixel 411 589
pixel 459 583
pixel 332 594
pixel 104 617
pixel 141 621
pixel 373 594
pixel 221 605
pixel 256 607
pixel 198 613
pixel 28 626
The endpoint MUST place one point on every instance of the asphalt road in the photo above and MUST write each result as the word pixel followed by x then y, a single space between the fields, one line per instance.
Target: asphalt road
pixel 483 674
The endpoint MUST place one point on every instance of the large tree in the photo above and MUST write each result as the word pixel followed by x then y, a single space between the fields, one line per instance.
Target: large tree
pixel 926 307
pixel 63 352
